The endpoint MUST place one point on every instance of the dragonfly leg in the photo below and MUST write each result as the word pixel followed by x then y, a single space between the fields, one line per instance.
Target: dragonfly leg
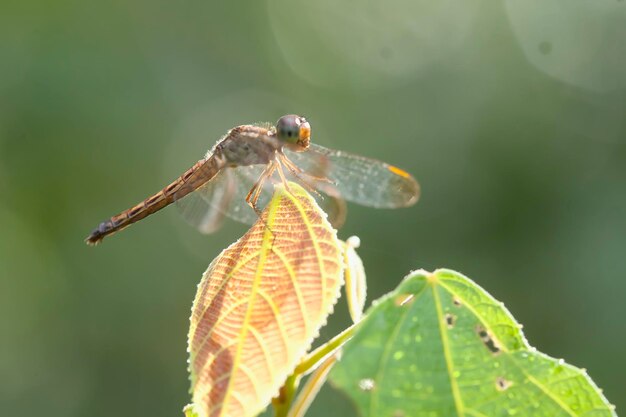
pixel 327 186
pixel 255 192
pixel 295 170
pixel 281 173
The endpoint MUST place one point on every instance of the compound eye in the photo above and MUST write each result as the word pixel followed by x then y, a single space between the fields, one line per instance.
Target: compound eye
pixel 288 128
pixel 291 132
pixel 294 131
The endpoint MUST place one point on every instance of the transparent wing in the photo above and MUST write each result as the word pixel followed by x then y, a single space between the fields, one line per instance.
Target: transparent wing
pixel 325 194
pixel 205 207
pixel 362 180
pixel 224 196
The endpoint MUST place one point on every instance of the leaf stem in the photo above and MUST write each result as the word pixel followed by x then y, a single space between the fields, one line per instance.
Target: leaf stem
pixel 283 402
pixel 312 360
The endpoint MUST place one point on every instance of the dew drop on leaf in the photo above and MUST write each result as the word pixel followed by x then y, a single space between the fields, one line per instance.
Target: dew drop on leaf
pixel 367 384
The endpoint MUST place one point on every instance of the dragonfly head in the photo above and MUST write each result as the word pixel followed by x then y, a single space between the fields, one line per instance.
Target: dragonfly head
pixel 294 131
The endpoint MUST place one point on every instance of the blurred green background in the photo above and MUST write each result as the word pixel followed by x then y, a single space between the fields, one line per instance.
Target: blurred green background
pixel 512 115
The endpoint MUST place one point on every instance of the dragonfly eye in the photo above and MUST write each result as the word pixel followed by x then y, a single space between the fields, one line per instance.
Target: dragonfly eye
pixel 294 131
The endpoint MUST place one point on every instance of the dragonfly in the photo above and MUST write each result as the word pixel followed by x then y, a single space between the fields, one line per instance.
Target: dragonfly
pixel 246 162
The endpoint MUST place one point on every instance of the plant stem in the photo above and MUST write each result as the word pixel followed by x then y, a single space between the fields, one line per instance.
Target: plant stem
pixel 311 361
pixel 283 402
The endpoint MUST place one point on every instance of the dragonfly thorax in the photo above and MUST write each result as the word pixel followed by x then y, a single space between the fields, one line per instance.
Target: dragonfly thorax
pixel 248 145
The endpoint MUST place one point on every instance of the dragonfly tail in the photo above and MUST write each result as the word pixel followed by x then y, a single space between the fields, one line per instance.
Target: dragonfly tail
pixel 194 177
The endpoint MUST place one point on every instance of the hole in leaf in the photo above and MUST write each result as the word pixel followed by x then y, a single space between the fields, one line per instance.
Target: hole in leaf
pixel 450 320
pixel 487 340
pixel 502 384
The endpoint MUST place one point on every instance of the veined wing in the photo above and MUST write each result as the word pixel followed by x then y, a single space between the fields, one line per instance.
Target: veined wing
pixel 362 180
pixel 224 196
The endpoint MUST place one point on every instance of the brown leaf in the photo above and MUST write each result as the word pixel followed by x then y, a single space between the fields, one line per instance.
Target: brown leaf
pixel 260 304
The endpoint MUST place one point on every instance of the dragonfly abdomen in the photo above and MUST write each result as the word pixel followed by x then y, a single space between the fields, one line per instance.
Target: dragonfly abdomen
pixel 194 177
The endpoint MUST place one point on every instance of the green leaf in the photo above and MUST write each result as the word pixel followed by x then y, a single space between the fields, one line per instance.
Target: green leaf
pixel 439 345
